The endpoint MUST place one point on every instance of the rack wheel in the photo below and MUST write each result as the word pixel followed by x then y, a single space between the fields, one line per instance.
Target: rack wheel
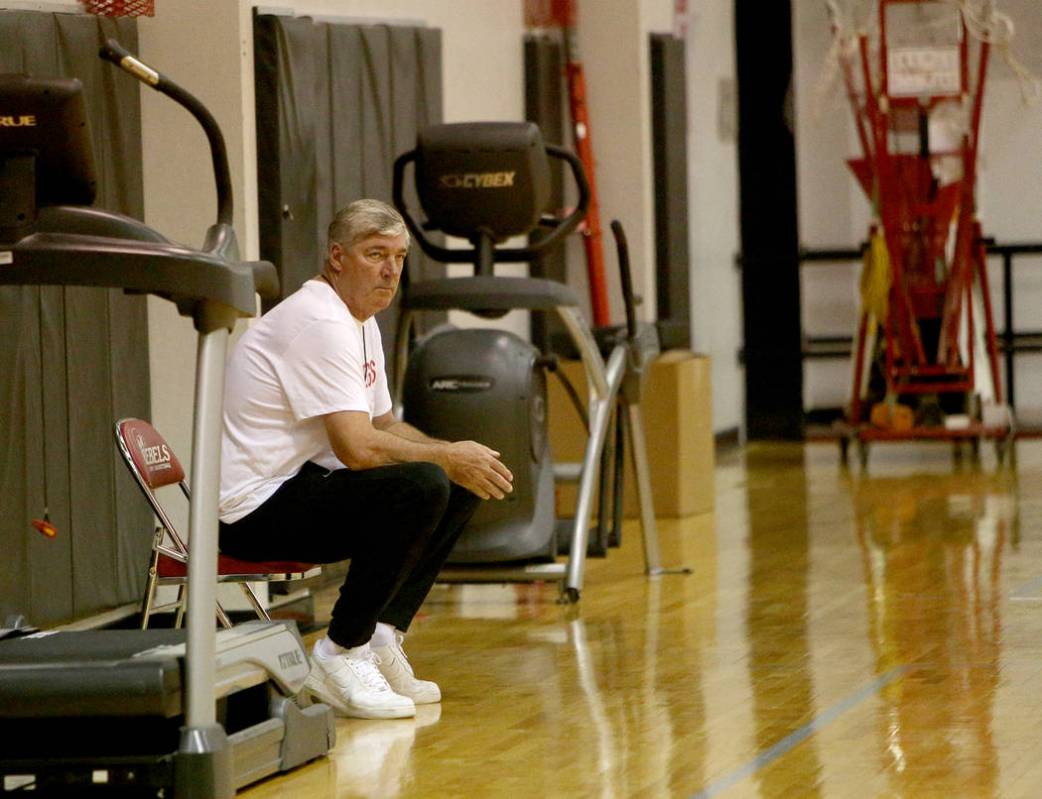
pixel 844 450
pixel 975 449
pixel 1002 447
pixel 569 596
pixel 862 453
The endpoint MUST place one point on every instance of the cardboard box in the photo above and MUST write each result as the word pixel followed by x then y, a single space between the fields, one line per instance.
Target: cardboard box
pixel 678 426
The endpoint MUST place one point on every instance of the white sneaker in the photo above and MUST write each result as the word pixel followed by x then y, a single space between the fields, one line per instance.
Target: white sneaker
pixel 353 686
pixel 397 670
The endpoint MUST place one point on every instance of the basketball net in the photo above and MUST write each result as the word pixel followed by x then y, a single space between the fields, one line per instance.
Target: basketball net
pixel 120 8
pixel 852 19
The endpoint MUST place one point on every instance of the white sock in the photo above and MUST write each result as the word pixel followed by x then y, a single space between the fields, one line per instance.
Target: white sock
pixel 383 635
pixel 326 649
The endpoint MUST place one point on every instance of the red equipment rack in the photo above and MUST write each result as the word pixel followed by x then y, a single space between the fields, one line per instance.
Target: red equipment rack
pixel 926 257
pixel 564 14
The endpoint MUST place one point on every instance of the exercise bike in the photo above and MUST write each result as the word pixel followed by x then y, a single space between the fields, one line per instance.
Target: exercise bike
pixel 487 182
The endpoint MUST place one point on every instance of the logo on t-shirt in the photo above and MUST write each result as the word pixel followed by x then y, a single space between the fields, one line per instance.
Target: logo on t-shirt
pixel 370 372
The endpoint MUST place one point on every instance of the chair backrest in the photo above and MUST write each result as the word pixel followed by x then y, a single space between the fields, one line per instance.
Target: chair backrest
pixel 153 464
pixel 147 454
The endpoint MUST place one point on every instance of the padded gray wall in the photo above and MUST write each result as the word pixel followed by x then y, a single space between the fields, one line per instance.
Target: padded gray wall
pixel 545 106
pixel 71 361
pixel 336 104
pixel 669 151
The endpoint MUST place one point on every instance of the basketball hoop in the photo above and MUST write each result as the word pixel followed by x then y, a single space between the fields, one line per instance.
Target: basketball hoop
pixel 549 14
pixel 853 20
pixel 120 8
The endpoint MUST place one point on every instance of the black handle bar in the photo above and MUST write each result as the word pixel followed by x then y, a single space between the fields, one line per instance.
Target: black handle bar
pixel 625 277
pixel 560 228
pixel 115 52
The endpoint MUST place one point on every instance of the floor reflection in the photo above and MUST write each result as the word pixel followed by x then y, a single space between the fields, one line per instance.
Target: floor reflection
pixel 629 726
pixel 932 555
pixel 844 635
pixel 373 759
pixel 585 708
pixel 783 696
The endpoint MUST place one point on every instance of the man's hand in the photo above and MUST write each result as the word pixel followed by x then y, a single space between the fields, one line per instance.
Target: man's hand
pixel 361 444
pixel 477 468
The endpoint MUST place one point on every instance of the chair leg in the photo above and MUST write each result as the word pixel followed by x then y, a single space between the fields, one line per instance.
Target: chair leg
pixel 150 597
pixel 222 617
pixel 251 597
pixel 179 618
pixel 150 584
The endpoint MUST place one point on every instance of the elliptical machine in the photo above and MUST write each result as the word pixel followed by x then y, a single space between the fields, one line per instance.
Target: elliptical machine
pixel 195 712
pixel 486 182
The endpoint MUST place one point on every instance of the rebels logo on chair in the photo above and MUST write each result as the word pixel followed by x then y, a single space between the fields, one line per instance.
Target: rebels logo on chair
pixel 156 457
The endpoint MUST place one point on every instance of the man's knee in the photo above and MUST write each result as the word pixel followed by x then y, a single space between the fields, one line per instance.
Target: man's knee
pixel 431 484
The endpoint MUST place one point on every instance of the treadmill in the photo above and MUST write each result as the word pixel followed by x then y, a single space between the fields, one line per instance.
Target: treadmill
pixel 183 713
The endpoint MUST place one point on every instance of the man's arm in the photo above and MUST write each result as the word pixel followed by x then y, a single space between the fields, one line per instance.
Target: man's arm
pixel 361 444
pixel 389 424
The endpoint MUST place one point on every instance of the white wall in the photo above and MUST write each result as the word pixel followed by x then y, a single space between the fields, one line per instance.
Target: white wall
pixel 189 41
pixel 834 212
pixel 615 53
pixel 482 77
pixel 832 209
pixel 207 46
pixel 193 41
pixel 716 295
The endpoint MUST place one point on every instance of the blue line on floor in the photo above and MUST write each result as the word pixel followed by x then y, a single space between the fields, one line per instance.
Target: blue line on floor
pixel 1030 590
pixel 791 740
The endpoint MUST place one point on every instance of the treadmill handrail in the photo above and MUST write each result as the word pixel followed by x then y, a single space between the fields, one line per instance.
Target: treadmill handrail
pixel 171 271
pixel 115 52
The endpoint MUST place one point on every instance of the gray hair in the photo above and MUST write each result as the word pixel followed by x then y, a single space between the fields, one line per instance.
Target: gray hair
pixel 364 218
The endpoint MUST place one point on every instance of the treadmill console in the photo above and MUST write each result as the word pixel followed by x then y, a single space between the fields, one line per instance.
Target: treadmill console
pixel 46 157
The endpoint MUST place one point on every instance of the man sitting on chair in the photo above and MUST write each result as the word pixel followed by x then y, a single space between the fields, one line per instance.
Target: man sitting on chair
pixel 315 467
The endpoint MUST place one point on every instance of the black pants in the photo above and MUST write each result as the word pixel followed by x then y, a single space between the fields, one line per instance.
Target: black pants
pixel 397 524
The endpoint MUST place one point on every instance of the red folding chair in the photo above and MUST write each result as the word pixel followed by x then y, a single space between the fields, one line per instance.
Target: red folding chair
pixel 153 464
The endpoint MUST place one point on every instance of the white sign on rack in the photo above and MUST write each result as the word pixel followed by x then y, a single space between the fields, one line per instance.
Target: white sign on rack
pixel 923 71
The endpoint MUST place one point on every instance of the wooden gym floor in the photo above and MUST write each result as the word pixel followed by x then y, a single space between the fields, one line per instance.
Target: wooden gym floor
pixel 845 634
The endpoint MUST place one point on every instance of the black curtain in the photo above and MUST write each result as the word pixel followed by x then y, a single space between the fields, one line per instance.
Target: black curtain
pixel 71 361
pixel 336 104
pixel 770 236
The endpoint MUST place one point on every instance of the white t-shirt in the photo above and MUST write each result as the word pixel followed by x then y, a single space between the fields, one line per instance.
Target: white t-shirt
pixel 305 358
